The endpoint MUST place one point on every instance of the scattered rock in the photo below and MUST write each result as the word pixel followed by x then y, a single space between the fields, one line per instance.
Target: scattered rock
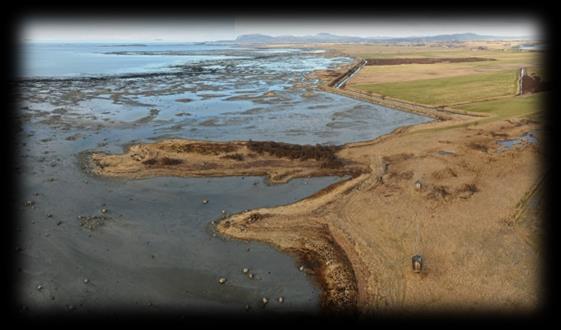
pixel 250 275
pixel 222 280
pixel 29 203
pixel 59 223
pixel 103 210
pixel 92 222
pixel 280 300
pixel 39 287
pixel 245 270
pixel 205 201
pixel 301 268
pixel 49 215
pixel 86 281
pixel 264 300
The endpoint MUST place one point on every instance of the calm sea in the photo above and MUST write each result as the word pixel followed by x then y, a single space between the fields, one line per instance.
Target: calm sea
pixel 89 59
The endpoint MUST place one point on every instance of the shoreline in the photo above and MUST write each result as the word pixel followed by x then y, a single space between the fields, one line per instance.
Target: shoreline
pixel 334 251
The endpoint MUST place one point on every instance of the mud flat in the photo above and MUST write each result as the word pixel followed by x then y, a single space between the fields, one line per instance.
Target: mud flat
pixel 93 243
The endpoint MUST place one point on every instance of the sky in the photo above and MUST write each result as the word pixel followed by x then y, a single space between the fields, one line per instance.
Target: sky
pixel 196 29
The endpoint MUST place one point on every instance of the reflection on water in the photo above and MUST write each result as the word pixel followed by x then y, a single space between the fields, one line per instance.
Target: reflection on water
pixel 528 137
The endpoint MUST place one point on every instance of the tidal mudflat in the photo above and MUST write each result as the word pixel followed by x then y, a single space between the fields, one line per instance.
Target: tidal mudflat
pixel 89 243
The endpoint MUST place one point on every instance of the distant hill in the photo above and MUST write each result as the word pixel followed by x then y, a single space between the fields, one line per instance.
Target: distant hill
pixel 331 38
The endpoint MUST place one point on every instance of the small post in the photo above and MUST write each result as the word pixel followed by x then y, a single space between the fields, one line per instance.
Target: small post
pixel 417 263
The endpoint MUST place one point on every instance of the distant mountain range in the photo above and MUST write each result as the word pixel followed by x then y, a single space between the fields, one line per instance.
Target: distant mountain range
pixel 331 38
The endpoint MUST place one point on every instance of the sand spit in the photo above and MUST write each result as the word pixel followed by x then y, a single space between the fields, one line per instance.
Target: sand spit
pixel 357 237
pixel 279 162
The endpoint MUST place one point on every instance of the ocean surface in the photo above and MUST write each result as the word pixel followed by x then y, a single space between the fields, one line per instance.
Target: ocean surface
pixel 47 60
pixel 92 59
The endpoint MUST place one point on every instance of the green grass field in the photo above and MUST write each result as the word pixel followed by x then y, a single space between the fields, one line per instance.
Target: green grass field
pixel 509 107
pixel 517 106
pixel 449 90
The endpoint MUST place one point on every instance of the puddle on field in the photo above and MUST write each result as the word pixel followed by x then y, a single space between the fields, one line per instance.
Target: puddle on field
pixel 528 137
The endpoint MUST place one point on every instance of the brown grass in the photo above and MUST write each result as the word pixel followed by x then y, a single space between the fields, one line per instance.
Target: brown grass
pixel 254 217
pixel 236 156
pixel 439 191
pixel 469 187
pixel 478 146
pixel 162 161
pixel 205 148
pixel 324 154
